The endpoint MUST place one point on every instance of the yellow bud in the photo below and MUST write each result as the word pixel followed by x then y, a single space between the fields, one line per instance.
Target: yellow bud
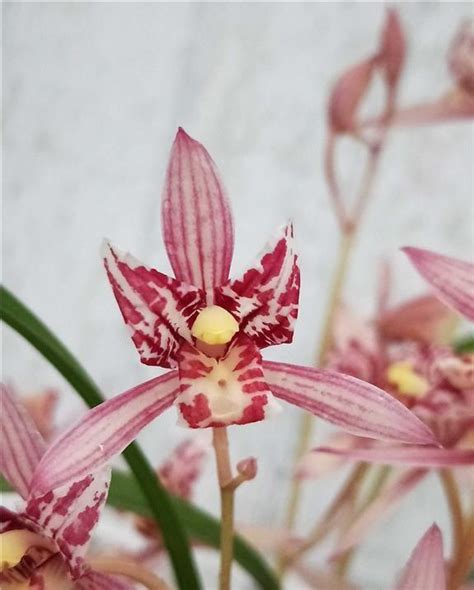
pixel 407 381
pixel 214 325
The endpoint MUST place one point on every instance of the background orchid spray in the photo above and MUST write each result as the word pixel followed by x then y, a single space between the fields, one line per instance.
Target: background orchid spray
pixel 209 332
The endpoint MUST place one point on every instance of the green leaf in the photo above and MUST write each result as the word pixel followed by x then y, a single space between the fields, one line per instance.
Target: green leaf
pixel 464 344
pixel 145 496
pixel 21 319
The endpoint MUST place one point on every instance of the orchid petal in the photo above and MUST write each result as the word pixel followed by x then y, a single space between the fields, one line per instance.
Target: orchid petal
pixel 51 575
pixel 424 319
pixel 356 406
pixel 425 568
pixel 386 501
pixel 158 310
pixel 69 514
pixel 94 580
pixel 103 432
pixel 22 445
pixel 183 467
pixel 230 390
pixel 314 465
pixel 414 456
pixel 16 544
pixel 265 298
pixel 452 279
pixel 197 220
pixel 392 48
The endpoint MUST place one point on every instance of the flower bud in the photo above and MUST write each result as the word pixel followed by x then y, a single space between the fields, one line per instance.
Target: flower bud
pixel 247 468
pixel 461 57
pixel 392 48
pixel 347 94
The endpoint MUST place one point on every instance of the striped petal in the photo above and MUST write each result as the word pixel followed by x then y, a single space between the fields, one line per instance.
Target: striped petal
pixel 387 500
pixel 452 279
pixel 265 298
pixel 21 444
pixel 425 568
pixel 355 406
pixel 69 514
pixel 157 309
pixel 414 456
pixel 99 581
pixel 197 220
pixel 103 432
pixel 424 319
pixel 230 390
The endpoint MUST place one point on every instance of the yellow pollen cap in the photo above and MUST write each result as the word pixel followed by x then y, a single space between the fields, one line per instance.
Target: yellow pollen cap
pixel 406 379
pixel 214 325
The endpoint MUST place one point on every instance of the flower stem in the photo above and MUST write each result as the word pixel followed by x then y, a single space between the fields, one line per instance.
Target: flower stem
pixel 225 479
pixel 129 569
pixel 453 499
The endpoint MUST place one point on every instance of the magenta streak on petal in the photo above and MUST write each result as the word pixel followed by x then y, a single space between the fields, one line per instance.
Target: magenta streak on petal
pixel 197 220
pixel 414 456
pixel 21 444
pixel 265 298
pixel 452 279
pixel 387 500
pixel 69 514
pixel 425 568
pixel 355 406
pixel 158 309
pixel 104 432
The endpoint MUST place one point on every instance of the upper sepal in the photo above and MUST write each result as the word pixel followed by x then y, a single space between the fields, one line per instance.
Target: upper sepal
pixel 197 219
pixel 265 298
pixel 158 310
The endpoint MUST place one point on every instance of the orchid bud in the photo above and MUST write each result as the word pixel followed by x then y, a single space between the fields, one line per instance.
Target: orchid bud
pixel 392 48
pixel 247 468
pixel 461 57
pixel 347 94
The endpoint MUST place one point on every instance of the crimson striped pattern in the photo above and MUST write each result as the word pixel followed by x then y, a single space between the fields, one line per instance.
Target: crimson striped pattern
pixel 104 432
pixel 355 406
pixel 452 279
pixel 197 220
pixel 21 444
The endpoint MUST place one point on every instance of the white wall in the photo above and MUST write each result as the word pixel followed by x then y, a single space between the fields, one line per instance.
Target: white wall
pixel 93 94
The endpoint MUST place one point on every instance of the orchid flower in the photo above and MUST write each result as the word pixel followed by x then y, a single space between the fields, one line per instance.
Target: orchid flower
pixel 44 545
pixel 209 331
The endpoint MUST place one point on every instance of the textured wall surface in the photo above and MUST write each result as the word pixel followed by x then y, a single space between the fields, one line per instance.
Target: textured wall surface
pixel 93 94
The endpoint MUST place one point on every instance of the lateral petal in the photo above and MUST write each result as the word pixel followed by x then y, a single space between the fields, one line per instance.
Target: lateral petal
pixel 21 444
pixel 356 406
pixel 69 514
pixel 103 432
pixel 158 310
pixel 414 456
pixel 425 568
pixel 265 298
pixel 197 219
pixel 452 279
pixel 230 390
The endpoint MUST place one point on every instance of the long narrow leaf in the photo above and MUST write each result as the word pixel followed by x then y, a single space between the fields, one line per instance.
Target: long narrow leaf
pixel 144 496
pixel 21 319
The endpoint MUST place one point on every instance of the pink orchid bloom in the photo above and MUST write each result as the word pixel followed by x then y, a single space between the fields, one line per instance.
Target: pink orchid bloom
pixel 211 329
pixel 41 406
pixel 44 545
pixel 451 279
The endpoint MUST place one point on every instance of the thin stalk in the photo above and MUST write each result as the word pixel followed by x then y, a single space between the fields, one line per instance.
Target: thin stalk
pixel 453 499
pixel 460 567
pixel 225 479
pixel 129 569
pixel 349 227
